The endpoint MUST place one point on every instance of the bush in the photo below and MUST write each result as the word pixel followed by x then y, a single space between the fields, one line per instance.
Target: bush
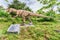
pixel 48 19
pixel 5 16
pixel 51 16
pixel 3 13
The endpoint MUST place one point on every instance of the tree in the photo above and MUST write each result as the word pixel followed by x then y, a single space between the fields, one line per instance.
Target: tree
pixel 49 3
pixel 18 5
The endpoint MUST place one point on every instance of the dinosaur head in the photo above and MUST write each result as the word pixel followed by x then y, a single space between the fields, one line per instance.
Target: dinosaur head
pixel 7 10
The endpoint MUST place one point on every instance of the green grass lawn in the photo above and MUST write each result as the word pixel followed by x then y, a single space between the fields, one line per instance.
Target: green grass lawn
pixel 41 31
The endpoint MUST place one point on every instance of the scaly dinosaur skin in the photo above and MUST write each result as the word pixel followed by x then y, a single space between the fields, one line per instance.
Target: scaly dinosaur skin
pixel 24 14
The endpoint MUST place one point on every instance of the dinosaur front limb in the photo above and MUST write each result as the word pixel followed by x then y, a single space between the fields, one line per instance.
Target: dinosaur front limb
pixel 23 21
pixel 15 16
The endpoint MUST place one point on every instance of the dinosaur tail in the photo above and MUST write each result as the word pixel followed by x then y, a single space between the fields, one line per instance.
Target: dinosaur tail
pixel 38 15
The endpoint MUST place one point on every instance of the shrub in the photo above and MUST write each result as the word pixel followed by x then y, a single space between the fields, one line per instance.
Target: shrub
pixel 51 16
pixel 3 13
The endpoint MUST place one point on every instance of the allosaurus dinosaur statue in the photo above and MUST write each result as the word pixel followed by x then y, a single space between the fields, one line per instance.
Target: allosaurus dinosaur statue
pixel 24 14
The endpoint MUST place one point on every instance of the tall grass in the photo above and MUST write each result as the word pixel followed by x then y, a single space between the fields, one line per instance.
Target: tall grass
pixel 40 31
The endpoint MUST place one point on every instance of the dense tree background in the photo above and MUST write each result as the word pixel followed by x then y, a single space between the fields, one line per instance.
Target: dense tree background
pixel 18 5
pixel 49 4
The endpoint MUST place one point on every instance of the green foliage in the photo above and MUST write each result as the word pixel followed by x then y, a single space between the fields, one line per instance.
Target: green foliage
pixel 51 15
pixel 58 3
pixel 38 32
pixel 58 9
pixel 3 13
pixel 18 5
pixel 5 16
pixel 49 3
pixel 44 1
pixel 40 11
pixel 31 33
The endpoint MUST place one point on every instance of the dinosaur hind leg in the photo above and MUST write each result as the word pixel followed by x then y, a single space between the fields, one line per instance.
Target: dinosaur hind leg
pixel 29 19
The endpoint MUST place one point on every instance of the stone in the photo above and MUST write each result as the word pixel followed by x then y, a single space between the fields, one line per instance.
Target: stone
pixel 14 28
pixel 28 25
pixel 57 31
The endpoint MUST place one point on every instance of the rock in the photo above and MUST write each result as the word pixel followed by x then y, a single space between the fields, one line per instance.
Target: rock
pixel 14 28
pixel 57 31
pixel 27 25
